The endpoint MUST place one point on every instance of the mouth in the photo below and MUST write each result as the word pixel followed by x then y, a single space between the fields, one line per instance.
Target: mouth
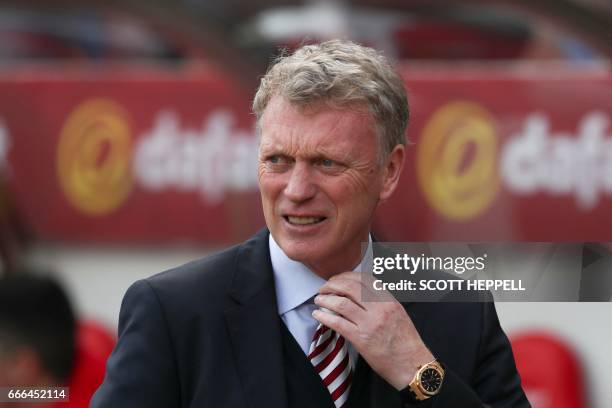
pixel 303 220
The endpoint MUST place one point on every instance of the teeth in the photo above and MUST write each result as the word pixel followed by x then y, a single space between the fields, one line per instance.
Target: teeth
pixel 304 220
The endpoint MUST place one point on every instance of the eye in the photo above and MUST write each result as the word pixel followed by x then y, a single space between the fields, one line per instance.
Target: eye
pixel 329 166
pixel 277 159
pixel 325 162
pixel 277 162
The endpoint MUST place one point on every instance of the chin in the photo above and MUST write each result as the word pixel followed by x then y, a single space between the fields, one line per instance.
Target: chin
pixel 304 251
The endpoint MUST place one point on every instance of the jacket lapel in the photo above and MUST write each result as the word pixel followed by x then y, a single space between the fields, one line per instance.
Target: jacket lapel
pixel 254 326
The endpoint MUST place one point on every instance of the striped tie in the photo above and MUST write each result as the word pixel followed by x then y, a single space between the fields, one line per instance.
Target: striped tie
pixel 330 357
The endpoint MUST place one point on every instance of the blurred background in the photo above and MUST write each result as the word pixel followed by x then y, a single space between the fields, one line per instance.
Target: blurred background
pixel 127 147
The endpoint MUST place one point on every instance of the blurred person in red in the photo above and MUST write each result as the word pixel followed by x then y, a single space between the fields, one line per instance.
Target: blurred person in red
pixel 37 334
pixel 280 320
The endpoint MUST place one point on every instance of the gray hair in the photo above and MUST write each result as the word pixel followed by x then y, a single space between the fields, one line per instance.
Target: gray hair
pixel 345 75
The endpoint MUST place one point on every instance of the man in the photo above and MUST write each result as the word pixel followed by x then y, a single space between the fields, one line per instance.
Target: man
pixel 241 328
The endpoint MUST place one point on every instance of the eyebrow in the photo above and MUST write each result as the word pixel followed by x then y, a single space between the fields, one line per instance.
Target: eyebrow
pixel 273 148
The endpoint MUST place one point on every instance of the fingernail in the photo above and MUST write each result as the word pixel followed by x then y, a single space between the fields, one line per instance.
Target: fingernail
pixel 315 313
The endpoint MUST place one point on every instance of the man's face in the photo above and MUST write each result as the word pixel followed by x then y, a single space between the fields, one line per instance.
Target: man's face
pixel 320 182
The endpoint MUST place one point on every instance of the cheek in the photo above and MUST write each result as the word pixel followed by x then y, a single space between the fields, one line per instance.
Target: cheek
pixel 270 186
pixel 261 170
pixel 267 203
pixel 352 199
pixel 359 189
pixel 365 177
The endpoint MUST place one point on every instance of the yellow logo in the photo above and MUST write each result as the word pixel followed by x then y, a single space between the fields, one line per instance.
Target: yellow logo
pixel 93 157
pixel 456 160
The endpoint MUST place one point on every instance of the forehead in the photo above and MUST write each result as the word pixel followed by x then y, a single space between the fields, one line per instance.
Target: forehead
pixel 316 126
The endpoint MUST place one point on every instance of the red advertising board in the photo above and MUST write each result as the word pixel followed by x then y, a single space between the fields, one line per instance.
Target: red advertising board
pixel 158 156
pixel 135 157
pixel 521 153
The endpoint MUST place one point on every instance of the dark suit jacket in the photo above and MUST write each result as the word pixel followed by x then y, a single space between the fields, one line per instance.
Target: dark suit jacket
pixel 208 335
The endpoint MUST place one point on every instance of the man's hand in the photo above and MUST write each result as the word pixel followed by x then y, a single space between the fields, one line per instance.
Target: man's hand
pixel 381 330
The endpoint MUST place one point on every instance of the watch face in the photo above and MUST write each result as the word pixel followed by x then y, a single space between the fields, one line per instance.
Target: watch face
pixel 431 380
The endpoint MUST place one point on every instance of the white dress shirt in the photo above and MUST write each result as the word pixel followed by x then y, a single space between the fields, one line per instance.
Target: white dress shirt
pixel 296 286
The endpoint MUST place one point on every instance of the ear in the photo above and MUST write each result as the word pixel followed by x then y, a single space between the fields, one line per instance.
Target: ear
pixel 393 166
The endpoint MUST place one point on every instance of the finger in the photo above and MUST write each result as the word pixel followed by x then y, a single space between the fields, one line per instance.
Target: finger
pixel 369 293
pixel 347 284
pixel 335 322
pixel 364 279
pixel 341 305
pixel 349 288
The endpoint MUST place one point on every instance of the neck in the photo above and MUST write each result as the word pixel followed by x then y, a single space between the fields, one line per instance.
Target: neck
pixel 334 267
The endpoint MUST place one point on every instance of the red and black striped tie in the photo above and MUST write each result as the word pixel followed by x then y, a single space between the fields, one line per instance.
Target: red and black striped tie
pixel 330 357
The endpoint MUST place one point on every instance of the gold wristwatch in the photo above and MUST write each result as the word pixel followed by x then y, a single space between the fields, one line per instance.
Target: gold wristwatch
pixel 427 380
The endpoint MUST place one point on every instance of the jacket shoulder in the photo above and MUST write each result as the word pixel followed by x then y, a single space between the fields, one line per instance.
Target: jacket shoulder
pixel 215 270
pixel 207 280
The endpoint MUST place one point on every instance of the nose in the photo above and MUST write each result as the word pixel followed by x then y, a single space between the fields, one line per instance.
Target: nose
pixel 300 186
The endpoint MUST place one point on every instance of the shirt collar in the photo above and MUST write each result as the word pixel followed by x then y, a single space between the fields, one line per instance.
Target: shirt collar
pixel 295 283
